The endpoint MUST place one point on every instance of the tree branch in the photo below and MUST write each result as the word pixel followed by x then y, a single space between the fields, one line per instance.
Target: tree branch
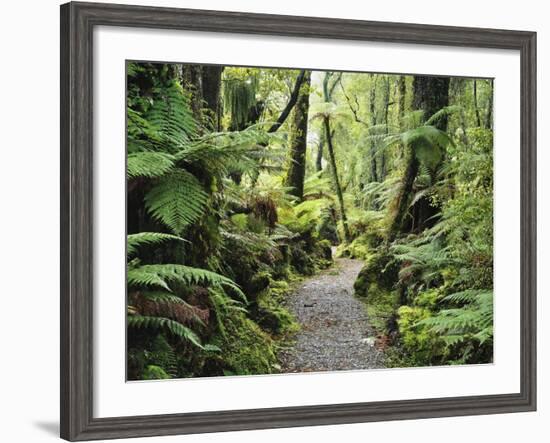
pixel 354 110
pixel 290 104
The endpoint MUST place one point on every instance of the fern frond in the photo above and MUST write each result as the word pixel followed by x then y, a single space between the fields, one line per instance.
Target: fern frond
pixel 171 115
pixel 148 164
pixel 163 304
pixel 177 200
pixel 443 112
pixel 175 328
pixel 134 241
pixel 161 275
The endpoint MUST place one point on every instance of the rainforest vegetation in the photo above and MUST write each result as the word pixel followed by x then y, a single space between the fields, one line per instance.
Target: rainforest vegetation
pixel 243 181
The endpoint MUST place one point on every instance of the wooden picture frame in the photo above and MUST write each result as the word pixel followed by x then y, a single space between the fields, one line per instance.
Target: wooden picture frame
pixel 77 23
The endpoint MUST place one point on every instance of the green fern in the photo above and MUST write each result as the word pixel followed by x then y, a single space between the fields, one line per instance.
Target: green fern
pixel 172 117
pixel 472 321
pixel 162 275
pixel 177 200
pixel 175 328
pixel 134 241
pixel 148 164
pixel 442 113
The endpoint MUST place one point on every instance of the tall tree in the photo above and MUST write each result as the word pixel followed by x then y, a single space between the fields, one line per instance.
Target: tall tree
pixel 476 108
pixel 430 94
pixel 298 139
pixel 489 115
pixel 191 80
pixel 385 121
pixel 319 157
pixel 329 138
pixel 211 86
pixel 402 87
pixel 372 109
pixel 300 79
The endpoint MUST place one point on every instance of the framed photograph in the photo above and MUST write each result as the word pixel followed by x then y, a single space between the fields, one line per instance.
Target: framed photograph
pixel 273 221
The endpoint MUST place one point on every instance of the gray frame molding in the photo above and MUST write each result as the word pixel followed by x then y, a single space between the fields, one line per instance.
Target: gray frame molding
pixel 77 23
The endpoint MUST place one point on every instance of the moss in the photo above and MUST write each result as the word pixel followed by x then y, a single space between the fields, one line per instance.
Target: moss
pixel 421 345
pixel 380 273
pixel 376 285
pixel 273 316
pixel 381 306
pixel 247 350
pixel 362 246
pixel 301 260
pixel 259 282
pixel 324 250
pixel 153 372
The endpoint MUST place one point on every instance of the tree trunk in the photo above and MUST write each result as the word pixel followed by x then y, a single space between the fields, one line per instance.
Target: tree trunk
pixel 489 115
pixel 372 109
pixel 430 95
pixel 478 118
pixel 300 79
pixel 332 158
pixel 192 81
pixel 402 202
pixel 298 140
pixel 319 158
pixel 382 174
pixel 327 93
pixel 402 86
pixel 211 85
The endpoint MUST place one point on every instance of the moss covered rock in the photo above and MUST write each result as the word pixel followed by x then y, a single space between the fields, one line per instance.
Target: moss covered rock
pixel 380 273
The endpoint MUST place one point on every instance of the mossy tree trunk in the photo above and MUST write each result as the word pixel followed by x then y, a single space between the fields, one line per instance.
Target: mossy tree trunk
pixel 319 158
pixel 402 87
pixel 476 107
pixel 211 86
pixel 387 104
pixel 328 135
pixel 489 115
pixel 372 110
pixel 191 79
pixel 430 95
pixel 298 140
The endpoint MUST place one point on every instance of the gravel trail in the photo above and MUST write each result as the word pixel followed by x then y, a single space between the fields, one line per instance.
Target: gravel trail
pixel 335 333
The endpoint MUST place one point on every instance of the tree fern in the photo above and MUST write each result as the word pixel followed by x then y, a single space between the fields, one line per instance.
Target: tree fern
pixel 177 200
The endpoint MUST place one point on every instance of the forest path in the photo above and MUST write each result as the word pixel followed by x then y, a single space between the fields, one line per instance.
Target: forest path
pixel 335 333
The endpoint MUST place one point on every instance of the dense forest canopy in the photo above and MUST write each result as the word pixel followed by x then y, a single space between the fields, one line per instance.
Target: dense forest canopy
pixel 243 180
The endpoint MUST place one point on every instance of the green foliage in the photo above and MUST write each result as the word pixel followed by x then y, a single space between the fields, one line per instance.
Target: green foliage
pixel 161 275
pixel 472 321
pixel 148 164
pixel 177 200
pixel 134 241
pixel 171 115
pixel 418 204
pixel 419 340
pixel 153 372
pixel 175 328
pixel 239 96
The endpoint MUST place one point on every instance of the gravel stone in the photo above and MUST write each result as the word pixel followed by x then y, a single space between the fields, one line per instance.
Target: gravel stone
pixel 335 333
